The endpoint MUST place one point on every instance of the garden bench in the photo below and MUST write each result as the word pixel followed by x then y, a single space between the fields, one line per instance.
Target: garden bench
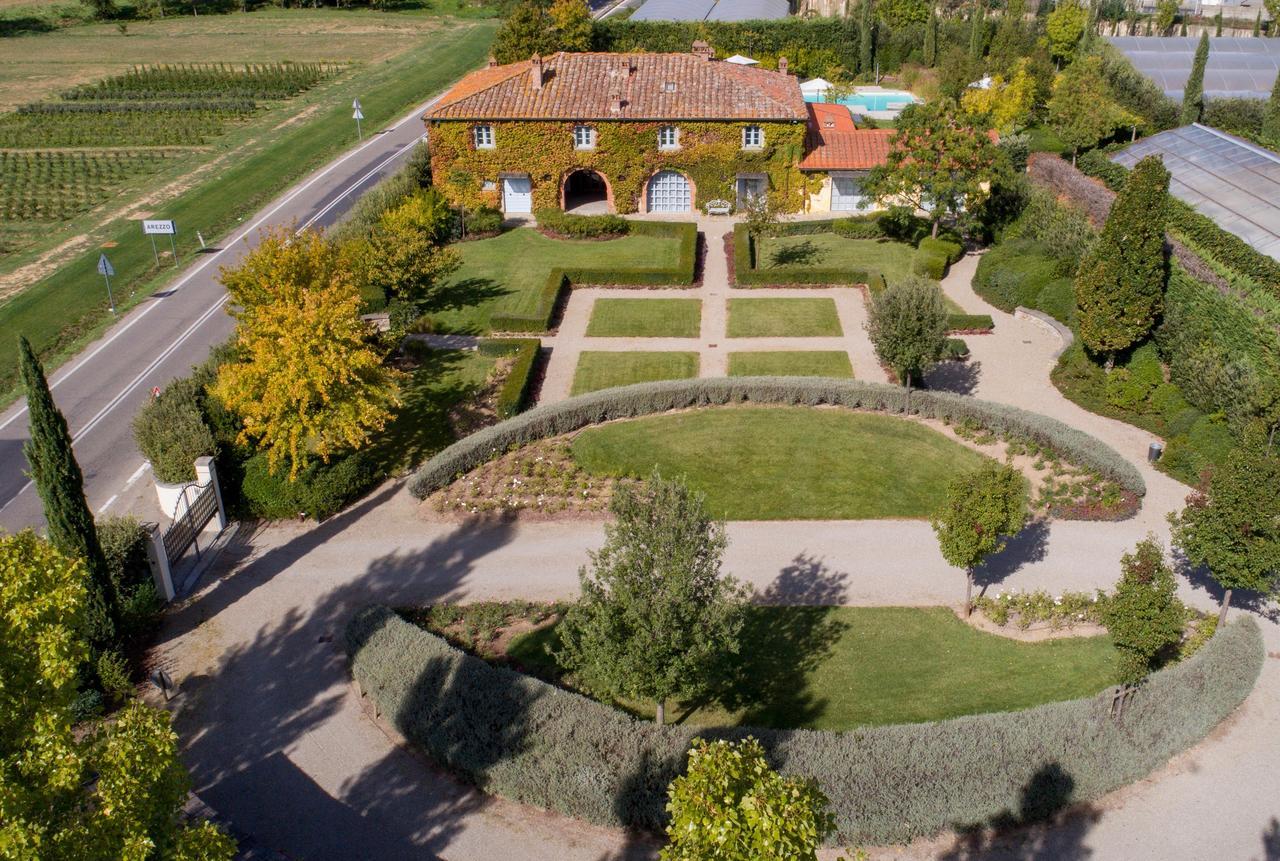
pixel 719 207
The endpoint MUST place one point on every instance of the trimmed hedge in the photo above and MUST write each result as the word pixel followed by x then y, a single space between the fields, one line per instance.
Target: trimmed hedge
pixel 643 399
pixel 319 491
pixel 513 397
pixel 972 324
pixel 951 251
pixel 747 275
pixel 523 739
pixel 582 226
pixel 930 263
pixel 682 273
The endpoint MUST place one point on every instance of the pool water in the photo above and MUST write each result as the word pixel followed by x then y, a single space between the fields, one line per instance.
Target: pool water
pixel 887 100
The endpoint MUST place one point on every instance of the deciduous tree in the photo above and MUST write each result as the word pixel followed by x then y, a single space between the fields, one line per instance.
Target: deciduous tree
pixel 1082 109
pixel 405 256
pixel 1193 93
pixel 526 31
pixel 907 324
pixel 306 383
pixel 571 21
pixel 730 805
pixel 983 509
pixel 60 485
pixel 1166 12
pixel 1006 105
pixel 1064 27
pixel 1232 527
pixel 1119 287
pixel 1143 614
pixel 656 618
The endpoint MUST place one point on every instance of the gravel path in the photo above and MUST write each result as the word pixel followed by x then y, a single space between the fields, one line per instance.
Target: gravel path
pixel 278 742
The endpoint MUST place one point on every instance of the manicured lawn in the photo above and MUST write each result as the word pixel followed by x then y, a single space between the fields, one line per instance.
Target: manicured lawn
pixel 645 318
pixel 785 318
pixel 892 259
pixel 786 463
pixel 506 273
pixel 836 668
pixel 791 363
pixel 599 369
pixel 1045 139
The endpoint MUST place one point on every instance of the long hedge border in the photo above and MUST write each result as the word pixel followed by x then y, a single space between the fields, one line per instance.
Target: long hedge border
pixel 932 258
pixel 514 394
pixel 644 399
pixel 523 739
pixel 558 280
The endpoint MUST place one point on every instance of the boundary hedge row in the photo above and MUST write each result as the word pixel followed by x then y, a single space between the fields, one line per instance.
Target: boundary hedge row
pixel 682 273
pixel 513 396
pixel 523 739
pixel 643 399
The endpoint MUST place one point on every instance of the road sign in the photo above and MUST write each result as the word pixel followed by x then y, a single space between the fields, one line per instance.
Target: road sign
pixel 158 228
pixel 105 269
pixel 357 115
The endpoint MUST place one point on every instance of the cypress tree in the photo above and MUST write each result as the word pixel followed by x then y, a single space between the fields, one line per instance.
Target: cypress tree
pixel 931 38
pixel 866 39
pixel 1257 25
pixel 1271 115
pixel 1217 23
pixel 977 24
pixel 1182 28
pixel 1119 287
pixel 59 482
pixel 1193 94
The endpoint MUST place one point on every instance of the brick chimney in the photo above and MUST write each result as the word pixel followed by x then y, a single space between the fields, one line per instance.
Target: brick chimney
pixel 535 66
pixel 782 65
pixel 703 50
pixel 493 62
pixel 615 103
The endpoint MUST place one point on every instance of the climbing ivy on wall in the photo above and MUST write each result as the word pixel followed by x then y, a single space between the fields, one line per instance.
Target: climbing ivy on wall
pixel 626 155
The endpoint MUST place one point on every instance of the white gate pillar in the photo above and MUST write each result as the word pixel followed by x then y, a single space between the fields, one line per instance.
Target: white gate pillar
pixel 207 473
pixel 158 558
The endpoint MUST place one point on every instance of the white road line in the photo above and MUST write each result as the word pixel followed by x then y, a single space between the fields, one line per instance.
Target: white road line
pixel 137 473
pixel 361 181
pixel 107 504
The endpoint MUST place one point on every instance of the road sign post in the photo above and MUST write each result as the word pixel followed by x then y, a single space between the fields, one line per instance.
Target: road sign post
pixel 106 270
pixel 161 227
pixel 357 115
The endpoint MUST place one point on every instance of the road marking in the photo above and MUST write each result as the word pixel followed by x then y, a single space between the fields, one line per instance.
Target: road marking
pixel 361 181
pixel 65 375
pixel 137 473
pixel 107 504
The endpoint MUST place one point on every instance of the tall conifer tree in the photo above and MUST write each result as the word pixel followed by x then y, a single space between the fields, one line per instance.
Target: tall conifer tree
pixel 1271 115
pixel 1193 94
pixel 866 39
pixel 931 37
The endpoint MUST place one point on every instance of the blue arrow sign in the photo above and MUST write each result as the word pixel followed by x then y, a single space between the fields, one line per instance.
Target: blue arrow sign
pixel 105 268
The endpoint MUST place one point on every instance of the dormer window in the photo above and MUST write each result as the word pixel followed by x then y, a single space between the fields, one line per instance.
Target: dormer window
pixel 753 137
pixel 668 137
pixel 483 137
pixel 584 137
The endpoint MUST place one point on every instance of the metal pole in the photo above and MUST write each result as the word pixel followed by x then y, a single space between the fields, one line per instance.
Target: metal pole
pixel 173 246
pixel 154 252
pixel 359 134
pixel 110 298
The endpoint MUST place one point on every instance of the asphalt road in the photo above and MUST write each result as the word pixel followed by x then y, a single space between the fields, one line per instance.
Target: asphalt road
pixel 100 390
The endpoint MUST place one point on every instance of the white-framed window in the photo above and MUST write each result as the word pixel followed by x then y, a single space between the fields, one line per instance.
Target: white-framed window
pixel 483 137
pixel 668 137
pixel 584 137
pixel 752 137
pixel 490 185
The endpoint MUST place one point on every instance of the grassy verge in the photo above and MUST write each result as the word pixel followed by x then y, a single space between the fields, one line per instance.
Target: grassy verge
pixel 832 251
pixel 786 463
pixel 604 370
pixel 65 310
pixel 791 363
pixel 783 318
pixel 837 668
pixel 645 318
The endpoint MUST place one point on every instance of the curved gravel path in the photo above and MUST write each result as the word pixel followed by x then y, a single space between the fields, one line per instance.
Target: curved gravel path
pixel 278 743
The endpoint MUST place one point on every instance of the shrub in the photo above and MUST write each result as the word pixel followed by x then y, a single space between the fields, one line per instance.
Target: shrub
pixel 113 677
pixel 520 738
pixel 952 251
pixel 484 221
pixel 955 348
pixel 1202 447
pixel 319 491
pixel 642 399
pixel 931 264
pixel 124 544
pixel 970 323
pixel 171 433
pixel 581 226
pixel 513 396
pixel 1015 273
pixel 1058 300
pixel 858 227
pixel 1063 231
pixel 1132 386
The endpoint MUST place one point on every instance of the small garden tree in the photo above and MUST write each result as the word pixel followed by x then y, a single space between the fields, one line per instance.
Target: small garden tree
pixel 405 258
pixel 1271 115
pixel 1144 614
pixel 1232 527
pixel 939 161
pixel 731 806
pixel 571 21
pixel 1193 92
pixel 1119 287
pixel 983 508
pixel 1064 28
pixel 907 324
pixel 656 618
pixel 1082 109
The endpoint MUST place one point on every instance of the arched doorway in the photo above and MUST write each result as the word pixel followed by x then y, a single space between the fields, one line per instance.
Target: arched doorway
pixel 586 192
pixel 669 191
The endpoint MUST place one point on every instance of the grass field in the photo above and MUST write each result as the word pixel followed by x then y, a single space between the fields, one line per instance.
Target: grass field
pixel 506 274
pixel 783 318
pixel 836 668
pixel 786 463
pixel 791 363
pixel 400 60
pixel 892 259
pixel 604 370
pixel 645 318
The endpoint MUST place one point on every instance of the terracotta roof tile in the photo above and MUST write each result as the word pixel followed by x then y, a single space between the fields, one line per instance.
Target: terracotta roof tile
pixel 833 142
pixel 646 86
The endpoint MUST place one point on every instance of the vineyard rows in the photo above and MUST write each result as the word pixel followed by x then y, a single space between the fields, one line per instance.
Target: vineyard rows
pixel 118 128
pixel 207 80
pixel 54 186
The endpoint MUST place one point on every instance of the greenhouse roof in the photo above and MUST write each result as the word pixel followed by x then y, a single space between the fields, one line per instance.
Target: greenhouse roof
pixel 1232 181
pixel 1238 66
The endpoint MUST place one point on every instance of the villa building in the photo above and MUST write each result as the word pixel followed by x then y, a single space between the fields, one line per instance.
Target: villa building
pixel 644 133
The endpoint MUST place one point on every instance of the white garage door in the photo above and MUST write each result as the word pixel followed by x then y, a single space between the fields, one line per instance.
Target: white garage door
pixel 669 191
pixel 517 194
pixel 846 192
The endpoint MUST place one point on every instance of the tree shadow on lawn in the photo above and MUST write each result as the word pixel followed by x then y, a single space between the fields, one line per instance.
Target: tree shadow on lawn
pixel 1029 545
pixel 1259 603
pixel 954 376
pixel 465 293
pixel 799 254
pixel 421 426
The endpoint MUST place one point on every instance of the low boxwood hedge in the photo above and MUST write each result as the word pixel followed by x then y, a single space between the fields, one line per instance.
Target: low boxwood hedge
pixel 683 273
pixel 514 394
pixel 747 275
pixel 581 226
pixel 642 399
pixel 523 739
pixel 971 324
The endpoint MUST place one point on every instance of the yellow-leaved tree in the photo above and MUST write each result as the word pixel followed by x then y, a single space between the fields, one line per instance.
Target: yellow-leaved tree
pixel 1006 105
pixel 404 256
pixel 306 382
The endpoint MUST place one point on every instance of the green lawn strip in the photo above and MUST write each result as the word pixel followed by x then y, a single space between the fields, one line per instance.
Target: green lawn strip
pixel 645 318
pixel 786 463
pixel 1044 139
pixel 603 370
pixel 836 668
pixel 791 363
pixel 831 250
pixel 783 318
pixel 64 311
pixel 506 274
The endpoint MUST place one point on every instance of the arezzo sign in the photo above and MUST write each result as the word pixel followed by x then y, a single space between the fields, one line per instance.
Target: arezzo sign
pixel 163 228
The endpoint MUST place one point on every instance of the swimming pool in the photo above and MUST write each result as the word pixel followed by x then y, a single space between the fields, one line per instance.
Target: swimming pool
pixel 877 100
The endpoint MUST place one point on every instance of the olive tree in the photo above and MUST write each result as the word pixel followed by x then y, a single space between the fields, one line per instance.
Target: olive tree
pixel 907 324
pixel 1144 614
